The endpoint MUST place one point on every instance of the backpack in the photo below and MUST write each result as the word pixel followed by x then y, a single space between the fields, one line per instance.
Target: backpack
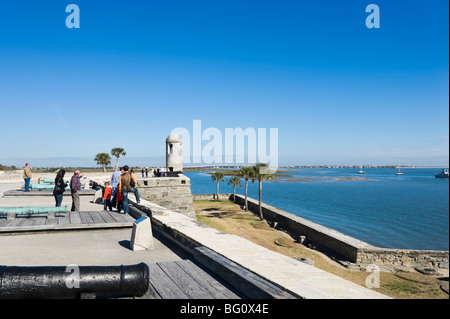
pixel 127 181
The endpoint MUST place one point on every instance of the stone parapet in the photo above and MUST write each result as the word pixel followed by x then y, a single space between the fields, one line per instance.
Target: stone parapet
pixel 211 196
pixel 173 193
pixel 403 258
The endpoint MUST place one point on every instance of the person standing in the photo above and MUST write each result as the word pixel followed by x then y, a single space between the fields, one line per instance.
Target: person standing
pixel 60 187
pixel 115 179
pixel 27 176
pixel 75 186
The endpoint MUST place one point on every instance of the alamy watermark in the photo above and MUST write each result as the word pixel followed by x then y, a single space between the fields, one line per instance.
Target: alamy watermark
pixel 373 280
pixel 230 146
pixel 73 19
pixel 73 279
pixel 373 19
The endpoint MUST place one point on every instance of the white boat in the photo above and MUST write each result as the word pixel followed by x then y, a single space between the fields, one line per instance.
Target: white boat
pixel 361 171
pixel 443 174
pixel 398 173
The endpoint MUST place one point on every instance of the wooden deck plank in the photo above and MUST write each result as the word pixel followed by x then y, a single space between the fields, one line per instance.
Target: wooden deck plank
pixel 34 221
pixel 70 220
pixel 52 221
pixel 213 286
pixel 64 219
pixel 86 218
pixel 106 217
pixel 165 287
pixel 129 218
pixel 254 286
pixel 186 283
pixel 75 218
pixel 16 222
pixel 151 293
pixel 3 221
pixel 119 218
pixel 97 218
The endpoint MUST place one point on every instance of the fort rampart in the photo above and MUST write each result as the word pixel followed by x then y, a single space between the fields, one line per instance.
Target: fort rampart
pixel 341 246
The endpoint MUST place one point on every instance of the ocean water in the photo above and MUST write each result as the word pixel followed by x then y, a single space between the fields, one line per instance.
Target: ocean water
pixel 410 211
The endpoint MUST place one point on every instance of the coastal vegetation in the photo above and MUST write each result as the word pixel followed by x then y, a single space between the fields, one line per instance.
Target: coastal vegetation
pixel 257 173
pixel 217 177
pixel 261 172
pixel 7 168
pixel 118 152
pixel 246 173
pixel 103 159
pixel 236 182
pixel 228 217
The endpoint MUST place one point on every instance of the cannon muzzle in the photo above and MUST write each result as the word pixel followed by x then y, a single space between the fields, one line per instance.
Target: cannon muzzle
pixel 73 282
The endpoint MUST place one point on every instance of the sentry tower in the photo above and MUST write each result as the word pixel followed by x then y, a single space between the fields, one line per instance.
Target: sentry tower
pixel 174 153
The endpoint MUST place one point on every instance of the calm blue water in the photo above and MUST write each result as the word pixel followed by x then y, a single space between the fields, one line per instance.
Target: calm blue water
pixel 408 212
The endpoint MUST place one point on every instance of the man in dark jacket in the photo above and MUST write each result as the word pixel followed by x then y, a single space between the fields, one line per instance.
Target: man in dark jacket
pixel 75 186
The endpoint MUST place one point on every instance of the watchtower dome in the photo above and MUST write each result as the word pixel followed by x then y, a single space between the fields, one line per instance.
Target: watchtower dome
pixel 174 153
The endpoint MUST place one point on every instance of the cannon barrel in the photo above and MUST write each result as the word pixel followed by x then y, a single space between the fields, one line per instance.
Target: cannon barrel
pixel 73 282
pixel 45 186
pixel 32 210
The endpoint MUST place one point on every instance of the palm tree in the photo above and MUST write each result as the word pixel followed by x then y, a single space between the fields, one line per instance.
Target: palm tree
pixel 103 159
pixel 217 177
pixel 235 181
pixel 246 173
pixel 261 172
pixel 117 152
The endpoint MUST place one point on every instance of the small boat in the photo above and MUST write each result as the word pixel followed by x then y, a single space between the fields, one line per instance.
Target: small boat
pixel 398 173
pixel 443 174
pixel 361 171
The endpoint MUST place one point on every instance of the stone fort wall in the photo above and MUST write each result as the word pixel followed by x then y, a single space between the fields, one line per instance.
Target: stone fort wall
pixel 343 246
pixel 173 193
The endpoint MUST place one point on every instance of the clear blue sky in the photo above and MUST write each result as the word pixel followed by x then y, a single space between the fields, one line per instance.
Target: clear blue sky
pixel 338 92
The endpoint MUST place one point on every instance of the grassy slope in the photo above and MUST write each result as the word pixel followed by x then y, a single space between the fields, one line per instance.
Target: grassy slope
pixel 228 217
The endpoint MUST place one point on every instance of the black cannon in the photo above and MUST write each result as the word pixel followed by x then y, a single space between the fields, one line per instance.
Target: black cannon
pixel 73 282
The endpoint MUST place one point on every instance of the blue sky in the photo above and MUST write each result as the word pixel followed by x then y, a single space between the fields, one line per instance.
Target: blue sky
pixel 338 92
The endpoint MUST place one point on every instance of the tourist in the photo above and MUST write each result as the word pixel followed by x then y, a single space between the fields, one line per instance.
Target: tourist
pixel 75 186
pixel 142 171
pixel 127 185
pixel 60 187
pixel 115 179
pixel 146 172
pixel 107 197
pixel 161 171
pixel 27 176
